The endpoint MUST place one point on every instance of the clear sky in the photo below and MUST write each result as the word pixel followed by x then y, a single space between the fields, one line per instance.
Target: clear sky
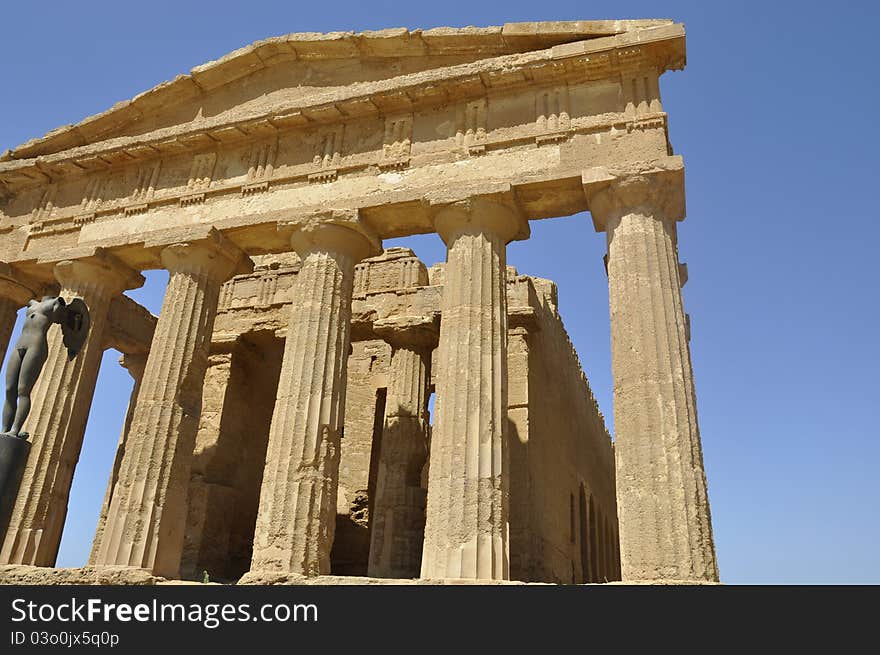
pixel 776 117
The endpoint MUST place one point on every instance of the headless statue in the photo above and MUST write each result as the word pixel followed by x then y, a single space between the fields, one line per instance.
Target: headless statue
pixel 32 349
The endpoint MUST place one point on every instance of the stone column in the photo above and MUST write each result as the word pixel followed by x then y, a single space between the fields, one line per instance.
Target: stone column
pixel 663 506
pixel 15 291
pixel 147 514
pixel 397 519
pixel 297 515
pixel 134 363
pixel 466 531
pixel 60 403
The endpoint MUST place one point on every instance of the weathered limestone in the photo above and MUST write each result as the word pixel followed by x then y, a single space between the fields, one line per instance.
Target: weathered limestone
pixel 557 441
pixel 665 525
pixel 145 521
pixel 135 364
pixel 466 531
pixel 296 520
pixel 199 537
pixel 15 291
pixel 329 144
pixel 60 407
pixel 230 454
pixel 398 510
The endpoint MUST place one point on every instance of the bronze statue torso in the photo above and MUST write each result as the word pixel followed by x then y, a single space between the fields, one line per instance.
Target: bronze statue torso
pixel 31 350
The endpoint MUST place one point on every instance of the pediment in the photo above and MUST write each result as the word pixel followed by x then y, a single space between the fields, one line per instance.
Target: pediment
pixel 305 69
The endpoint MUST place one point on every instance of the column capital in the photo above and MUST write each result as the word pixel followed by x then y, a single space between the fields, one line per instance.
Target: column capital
pixel 100 270
pixel 16 286
pixel 214 255
pixel 334 231
pixel 654 188
pixel 497 214
pixel 413 332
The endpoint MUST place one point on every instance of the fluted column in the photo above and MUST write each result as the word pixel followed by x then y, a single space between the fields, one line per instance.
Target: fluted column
pixel 60 404
pixel 297 514
pixel 146 519
pixel 15 291
pixel 466 531
pixel 397 517
pixel 134 363
pixel 665 527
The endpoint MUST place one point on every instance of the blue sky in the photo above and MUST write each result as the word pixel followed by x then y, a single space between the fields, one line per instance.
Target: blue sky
pixel 775 116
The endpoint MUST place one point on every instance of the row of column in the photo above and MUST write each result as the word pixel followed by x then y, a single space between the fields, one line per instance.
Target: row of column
pixel 397 516
pixel 465 535
pixel 142 521
pixel 665 530
pixel 665 527
pixel 60 403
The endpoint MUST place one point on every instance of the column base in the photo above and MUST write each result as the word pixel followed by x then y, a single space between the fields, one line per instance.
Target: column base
pixel 24 574
pixel 270 578
pixel 14 453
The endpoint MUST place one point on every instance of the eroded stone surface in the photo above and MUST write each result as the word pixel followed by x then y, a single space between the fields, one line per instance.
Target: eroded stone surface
pixel 281 419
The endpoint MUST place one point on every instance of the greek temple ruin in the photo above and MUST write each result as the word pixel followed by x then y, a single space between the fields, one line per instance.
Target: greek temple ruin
pixel 310 406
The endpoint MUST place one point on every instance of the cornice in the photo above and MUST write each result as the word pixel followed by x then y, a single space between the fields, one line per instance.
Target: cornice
pixel 311 46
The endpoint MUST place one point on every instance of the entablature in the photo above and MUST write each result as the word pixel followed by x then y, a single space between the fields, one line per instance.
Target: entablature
pixel 657 48
pixel 524 126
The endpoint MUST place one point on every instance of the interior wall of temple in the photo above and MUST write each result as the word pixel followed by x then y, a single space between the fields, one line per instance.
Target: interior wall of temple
pixel 361 440
pixel 559 445
pixel 229 456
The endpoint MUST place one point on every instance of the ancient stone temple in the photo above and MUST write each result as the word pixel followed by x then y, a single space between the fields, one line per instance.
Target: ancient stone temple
pixel 310 406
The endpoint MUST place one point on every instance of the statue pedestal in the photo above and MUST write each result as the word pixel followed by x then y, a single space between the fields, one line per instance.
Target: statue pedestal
pixel 13 456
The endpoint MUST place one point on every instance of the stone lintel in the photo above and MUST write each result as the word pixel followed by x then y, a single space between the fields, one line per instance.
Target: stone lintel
pixel 540 192
pixel 525 318
pixel 130 326
pixel 651 186
pixel 226 343
pixel 415 331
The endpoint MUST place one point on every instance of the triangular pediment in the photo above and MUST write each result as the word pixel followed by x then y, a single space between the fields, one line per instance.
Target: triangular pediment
pixel 305 68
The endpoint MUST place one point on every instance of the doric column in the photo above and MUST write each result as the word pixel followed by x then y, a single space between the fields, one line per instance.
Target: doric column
pixel 147 514
pixel 60 403
pixel 134 363
pixel 297 515
pixel 397 517
pixel 466 531
pixel 15 291
pixel 663 506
